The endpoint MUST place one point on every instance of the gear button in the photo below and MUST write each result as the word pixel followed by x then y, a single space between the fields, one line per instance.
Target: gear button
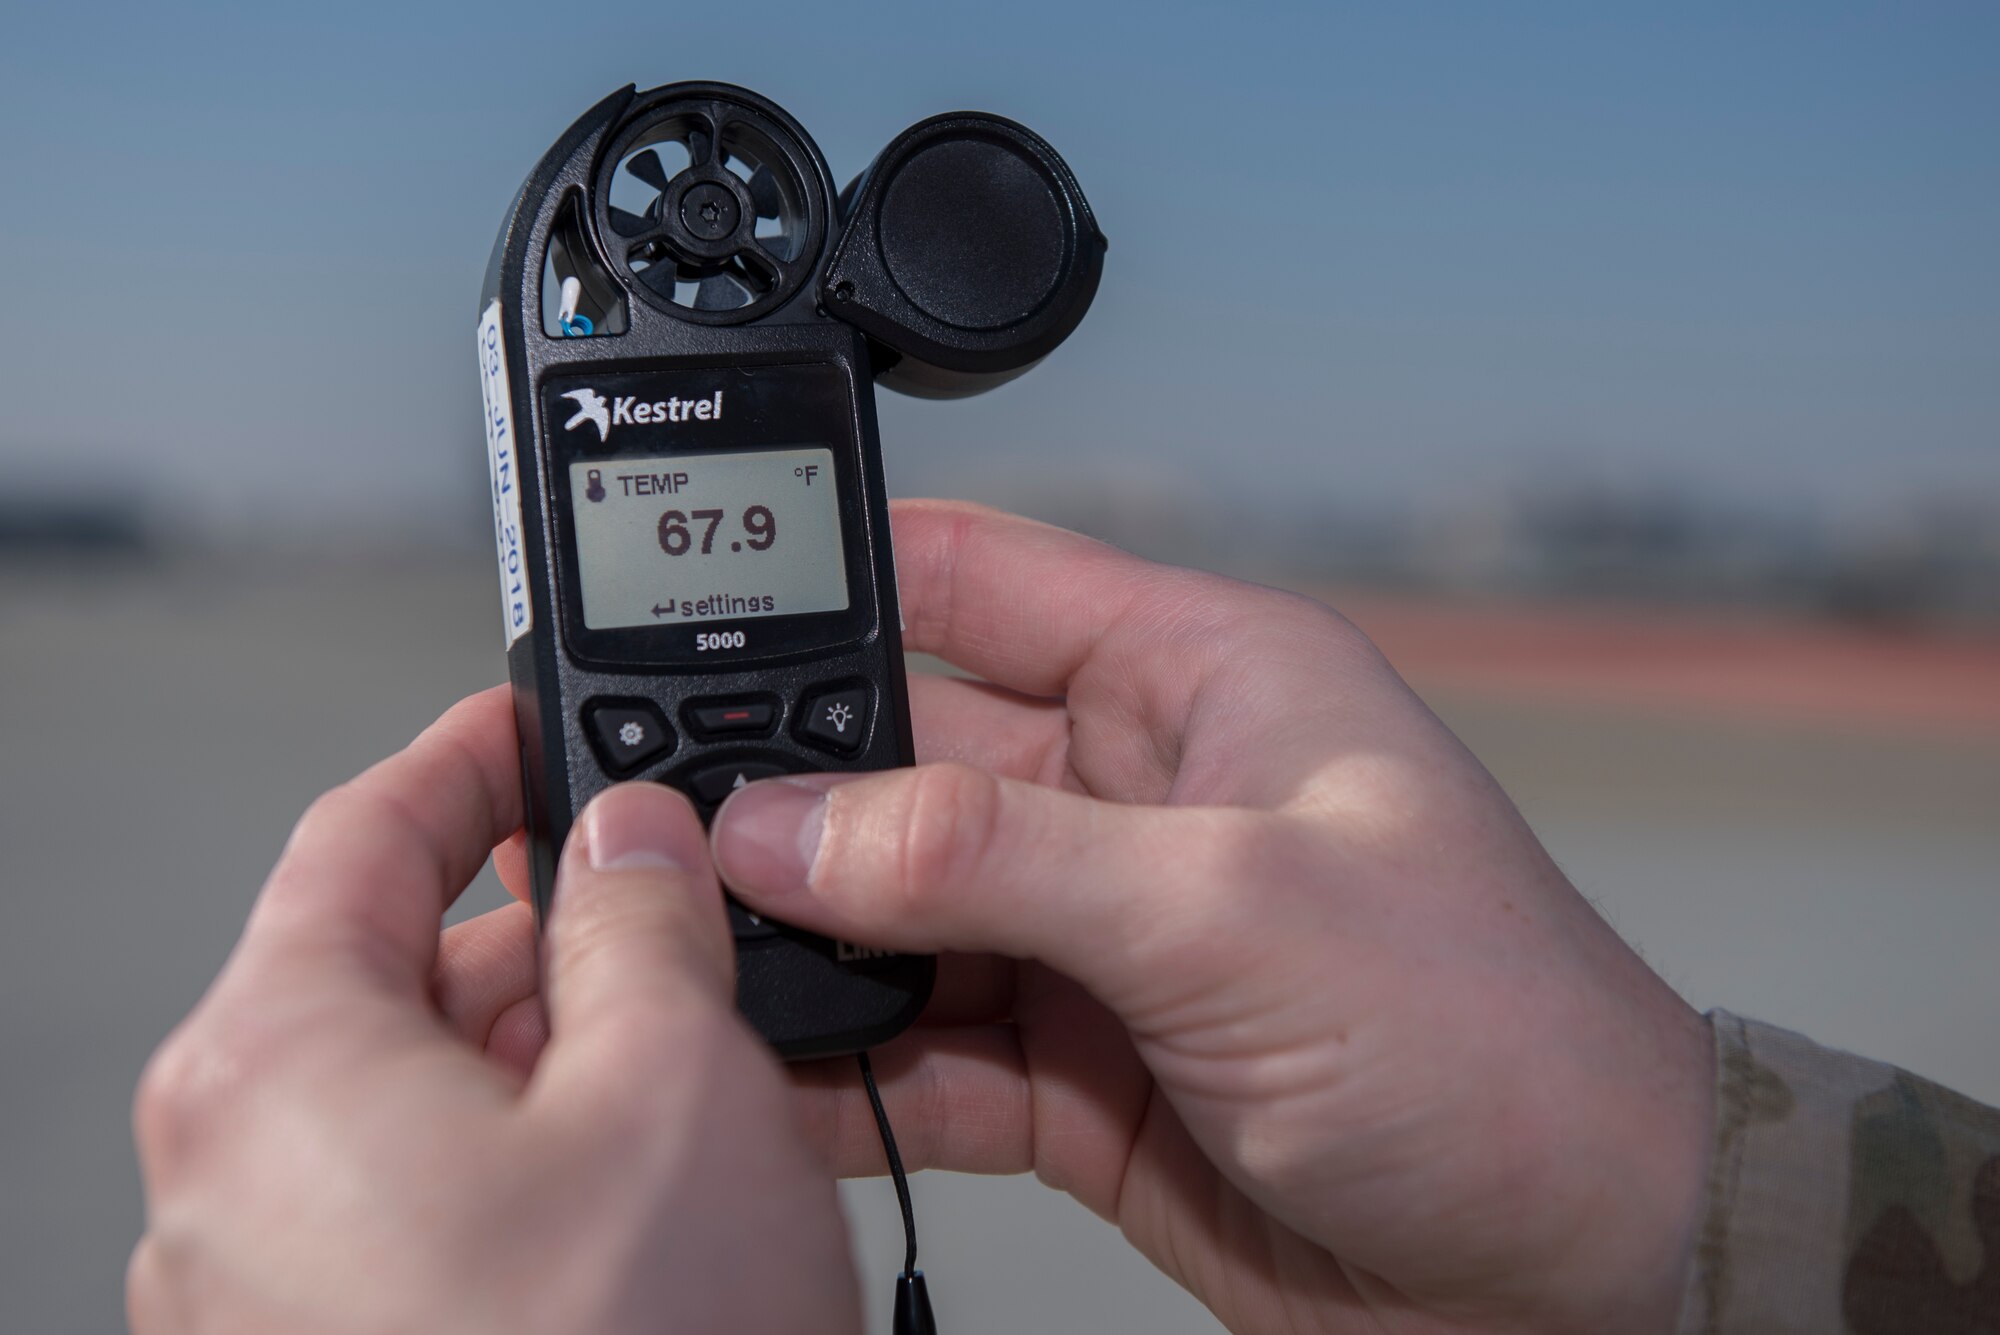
pixel 836 720
pixel 627 734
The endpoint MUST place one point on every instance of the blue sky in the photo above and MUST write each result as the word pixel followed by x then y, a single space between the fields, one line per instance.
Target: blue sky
pixel 1391 255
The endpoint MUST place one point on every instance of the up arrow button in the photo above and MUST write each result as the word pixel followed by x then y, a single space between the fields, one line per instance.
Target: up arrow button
pixel 713 784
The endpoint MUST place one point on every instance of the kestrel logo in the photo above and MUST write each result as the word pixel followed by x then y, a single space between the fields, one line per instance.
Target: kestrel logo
pixel 631 410
pixel 590 407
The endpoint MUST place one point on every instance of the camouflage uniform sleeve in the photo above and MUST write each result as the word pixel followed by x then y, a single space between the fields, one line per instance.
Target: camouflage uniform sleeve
pixel 1845 1196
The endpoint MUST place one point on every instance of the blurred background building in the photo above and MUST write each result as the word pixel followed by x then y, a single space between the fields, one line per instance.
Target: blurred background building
pixel 1633 377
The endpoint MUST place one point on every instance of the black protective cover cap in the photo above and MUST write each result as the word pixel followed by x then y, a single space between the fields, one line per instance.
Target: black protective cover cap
pixel 969 254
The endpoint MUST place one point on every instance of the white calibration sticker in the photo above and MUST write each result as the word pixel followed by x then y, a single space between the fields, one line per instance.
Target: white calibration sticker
pixel 503 458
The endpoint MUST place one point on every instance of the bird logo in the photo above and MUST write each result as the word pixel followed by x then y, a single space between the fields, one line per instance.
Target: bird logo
pixel 590 407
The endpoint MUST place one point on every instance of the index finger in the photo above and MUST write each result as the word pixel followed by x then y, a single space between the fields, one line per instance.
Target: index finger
pixel 373 864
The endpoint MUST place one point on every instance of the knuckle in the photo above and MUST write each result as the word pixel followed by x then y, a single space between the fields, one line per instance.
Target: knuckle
pixel 651 934
pixel 951 817
pixel 587 936
pixel 1323 622
pixel 171 1277
pixel 195 1080
pixel 324 810
pixel 607 942
pixel 146 1289
pixel 1205 612
pixel 648 1026
pixel 685 1049
pixel 933 1114
pixel 176 1098
pixel 641 977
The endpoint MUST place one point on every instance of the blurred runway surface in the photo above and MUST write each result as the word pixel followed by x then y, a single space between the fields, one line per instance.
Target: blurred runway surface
pixel 163 728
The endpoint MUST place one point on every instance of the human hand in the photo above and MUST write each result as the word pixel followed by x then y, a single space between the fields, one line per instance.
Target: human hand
pixel 1302 1004
pixel 350 1134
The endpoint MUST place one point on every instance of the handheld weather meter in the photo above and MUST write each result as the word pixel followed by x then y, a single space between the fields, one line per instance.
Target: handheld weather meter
pixel 680 332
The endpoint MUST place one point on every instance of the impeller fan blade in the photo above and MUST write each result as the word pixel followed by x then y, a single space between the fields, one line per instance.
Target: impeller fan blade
pixel 629 224
pixel 777 250
pixel 721 292
pixel 660 276
pixel 646 166
pixel 764 193
pixel 700 144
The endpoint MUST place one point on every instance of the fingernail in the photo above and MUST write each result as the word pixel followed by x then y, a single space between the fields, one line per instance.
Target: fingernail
pixel 640 825
pixel 767 835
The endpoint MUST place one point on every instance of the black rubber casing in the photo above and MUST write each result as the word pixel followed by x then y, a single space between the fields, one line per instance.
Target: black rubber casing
pixel 808 996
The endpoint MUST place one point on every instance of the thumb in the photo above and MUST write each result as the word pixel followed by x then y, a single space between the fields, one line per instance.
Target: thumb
pixel 638 957
pixel 945 857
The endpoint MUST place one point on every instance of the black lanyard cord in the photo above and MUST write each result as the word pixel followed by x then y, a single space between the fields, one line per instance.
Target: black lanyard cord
pixel 913 1302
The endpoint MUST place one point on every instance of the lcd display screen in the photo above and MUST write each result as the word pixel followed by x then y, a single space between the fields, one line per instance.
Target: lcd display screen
pixel 707 537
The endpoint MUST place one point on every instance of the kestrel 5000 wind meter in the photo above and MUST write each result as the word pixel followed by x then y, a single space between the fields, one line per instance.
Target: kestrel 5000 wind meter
pixel 679 335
